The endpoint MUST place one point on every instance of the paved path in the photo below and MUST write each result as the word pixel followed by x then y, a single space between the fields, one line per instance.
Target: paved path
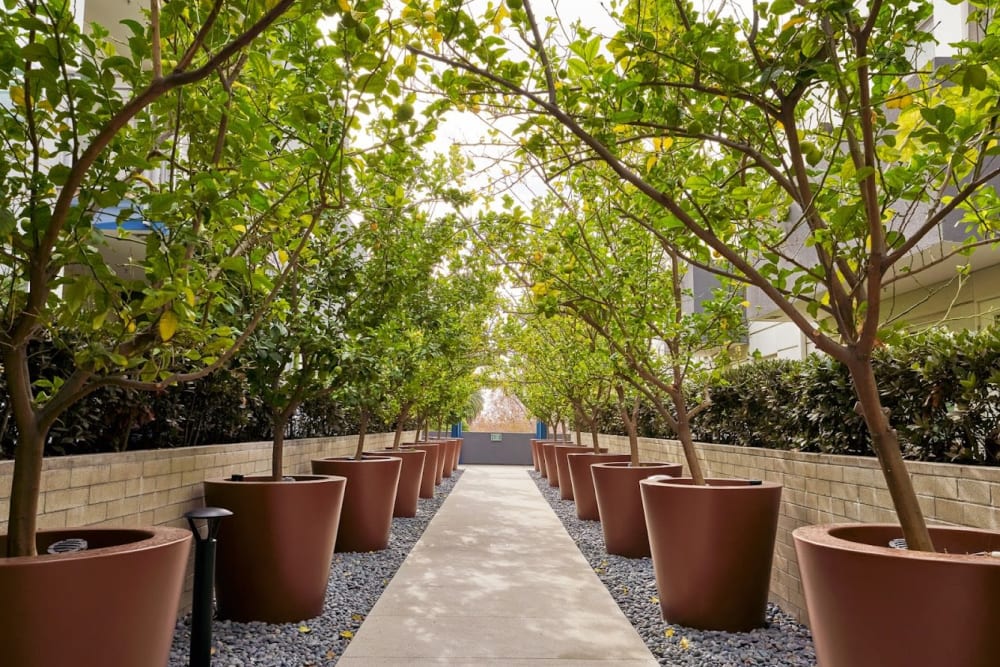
pixel 495 581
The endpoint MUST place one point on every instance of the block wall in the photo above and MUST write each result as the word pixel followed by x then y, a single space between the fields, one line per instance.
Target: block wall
pixel 156 487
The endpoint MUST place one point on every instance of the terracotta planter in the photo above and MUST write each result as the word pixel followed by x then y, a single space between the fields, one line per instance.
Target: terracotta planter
pixel 451 455
pixel 549 456
pixel 442 458
pixel 410 476
pixel 562 467
pixel 583 482
pixel 429 476
pixel 619 504
pixel 712 548
pixel 458 452
pixel 540 454
pixel 872 605
pixel 534 453
pixel 274 553
pixel 366 518
pixel 113 604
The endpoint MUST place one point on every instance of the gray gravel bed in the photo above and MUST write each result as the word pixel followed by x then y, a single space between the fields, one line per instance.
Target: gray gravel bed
pixel 356 582
pixel 632 584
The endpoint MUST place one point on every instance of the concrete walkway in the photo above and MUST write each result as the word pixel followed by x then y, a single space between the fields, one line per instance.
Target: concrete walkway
pixel 495 580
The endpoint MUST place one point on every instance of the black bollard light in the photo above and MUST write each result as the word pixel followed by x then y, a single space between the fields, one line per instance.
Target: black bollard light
pixel 204 576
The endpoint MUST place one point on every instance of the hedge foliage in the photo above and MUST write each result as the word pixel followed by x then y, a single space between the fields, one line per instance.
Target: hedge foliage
pixel 942 390
pixel 215 410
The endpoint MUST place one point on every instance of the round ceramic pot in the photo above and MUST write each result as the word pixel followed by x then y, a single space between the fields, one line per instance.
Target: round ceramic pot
pixel 429 476
pixel 442 458
pixel 560 452
pixel 113 604
pixel 273 558
pixel 366 518
pixel 534 453
pixel 451 454
pixel 873 605
pixel 549 456
pixel 712 548
pixel 619 504
pixel 542 470
pixel 583 482
pixel 410 476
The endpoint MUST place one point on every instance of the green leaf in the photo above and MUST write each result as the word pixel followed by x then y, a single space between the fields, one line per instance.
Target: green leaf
pixel 975 76
pixel 779 7
pixel 373 83
pixel 626 116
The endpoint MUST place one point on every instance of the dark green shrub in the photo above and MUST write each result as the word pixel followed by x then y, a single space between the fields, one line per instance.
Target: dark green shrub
pixel 942 390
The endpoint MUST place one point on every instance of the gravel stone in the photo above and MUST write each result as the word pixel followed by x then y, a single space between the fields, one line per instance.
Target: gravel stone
pixel 356 582
pixel 632 584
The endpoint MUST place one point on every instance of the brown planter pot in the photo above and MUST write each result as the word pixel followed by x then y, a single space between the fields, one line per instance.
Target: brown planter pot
pixel 429 477
pixel 619 504
pixel 442 458
pixel 583 482
pixel 458 453
pixel 113 604
pixel 410 476
pixel 534 453
pixel 712 548
pixel 549 456
pixel 274 553
pixel 872 605
pixel 366 518
pixel 451 454
pixel 562 467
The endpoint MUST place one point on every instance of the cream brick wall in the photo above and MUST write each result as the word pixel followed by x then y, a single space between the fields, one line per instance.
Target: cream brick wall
pixel 823 488
pixel 157 487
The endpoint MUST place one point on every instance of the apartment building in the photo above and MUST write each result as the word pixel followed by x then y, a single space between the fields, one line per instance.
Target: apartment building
pixel 933 296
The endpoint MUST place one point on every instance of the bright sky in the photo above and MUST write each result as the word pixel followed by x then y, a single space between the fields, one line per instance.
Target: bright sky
pixel 468 129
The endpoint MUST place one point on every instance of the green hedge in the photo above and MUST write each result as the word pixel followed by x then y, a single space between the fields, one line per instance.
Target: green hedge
pixel 942 390
pixel 215 410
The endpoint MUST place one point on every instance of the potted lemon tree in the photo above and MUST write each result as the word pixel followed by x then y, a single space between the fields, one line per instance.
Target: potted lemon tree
pixel 98 132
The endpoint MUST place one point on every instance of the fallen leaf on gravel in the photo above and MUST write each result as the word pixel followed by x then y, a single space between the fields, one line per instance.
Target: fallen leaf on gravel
pixel 685 644
pixel 347 634
pixel 357 617
pixel 668 633
pixel 654 599
pixel 304 629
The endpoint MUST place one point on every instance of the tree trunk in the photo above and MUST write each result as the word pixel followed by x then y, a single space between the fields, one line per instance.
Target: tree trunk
pixel 687 440
pixel 27 481
pixel 627 419
pixel 362 430
pixel 279 422
pixel 594 439
pixel 403 414
pixel 885 442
